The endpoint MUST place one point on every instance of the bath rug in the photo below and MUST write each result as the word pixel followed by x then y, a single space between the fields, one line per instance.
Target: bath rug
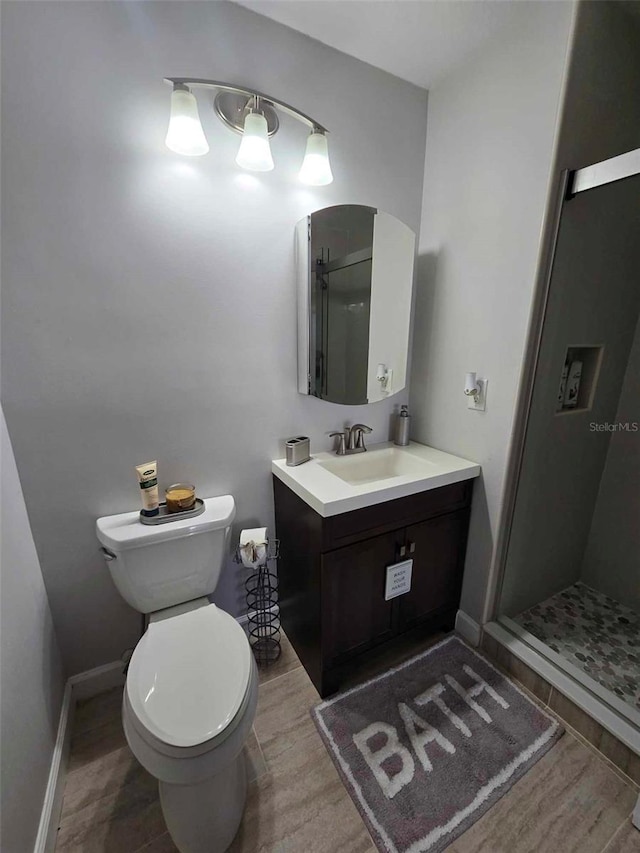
pixel 428 747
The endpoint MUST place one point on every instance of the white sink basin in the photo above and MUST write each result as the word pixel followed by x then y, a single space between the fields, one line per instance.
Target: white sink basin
pixel 333 484
pixel 378 465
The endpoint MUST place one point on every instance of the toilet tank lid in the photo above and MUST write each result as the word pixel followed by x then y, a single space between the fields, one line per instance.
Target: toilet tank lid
pixel 124 531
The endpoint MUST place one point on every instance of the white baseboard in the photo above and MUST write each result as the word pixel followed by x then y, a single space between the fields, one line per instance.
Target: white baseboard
pixel 52 805
pixel 87 684
pixel 468 628
pixel 84 685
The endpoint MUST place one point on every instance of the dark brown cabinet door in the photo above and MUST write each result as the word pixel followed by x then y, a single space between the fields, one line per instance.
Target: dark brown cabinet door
pixel 355 614
pixel 436 578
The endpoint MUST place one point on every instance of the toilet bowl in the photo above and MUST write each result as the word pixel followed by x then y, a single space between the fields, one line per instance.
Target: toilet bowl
pixel 188 707
pixel 192 687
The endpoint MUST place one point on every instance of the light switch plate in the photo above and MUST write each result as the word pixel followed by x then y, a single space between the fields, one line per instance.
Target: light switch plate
pixel 479 403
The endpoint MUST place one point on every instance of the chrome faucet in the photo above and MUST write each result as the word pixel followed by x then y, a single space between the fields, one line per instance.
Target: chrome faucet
pixel 351 440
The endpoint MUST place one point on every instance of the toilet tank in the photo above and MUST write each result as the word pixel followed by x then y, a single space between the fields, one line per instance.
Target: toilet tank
pixel 157 566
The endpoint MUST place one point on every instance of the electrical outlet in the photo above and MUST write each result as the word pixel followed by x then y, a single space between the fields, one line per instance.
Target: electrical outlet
pixel 479 402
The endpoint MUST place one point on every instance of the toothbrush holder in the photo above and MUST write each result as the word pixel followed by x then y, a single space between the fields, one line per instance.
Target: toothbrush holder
pixel 298 450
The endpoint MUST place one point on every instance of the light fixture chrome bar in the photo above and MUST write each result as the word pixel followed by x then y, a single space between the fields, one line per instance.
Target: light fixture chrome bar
pixel 199 83
pixel 614 169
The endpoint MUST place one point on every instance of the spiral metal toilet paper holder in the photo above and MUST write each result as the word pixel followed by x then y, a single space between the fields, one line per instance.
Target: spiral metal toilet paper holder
pixel 263 612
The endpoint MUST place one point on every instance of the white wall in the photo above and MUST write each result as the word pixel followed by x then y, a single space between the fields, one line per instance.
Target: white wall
pixel 490 141
pixel 149 301
pixel 31 679
pixel 612 556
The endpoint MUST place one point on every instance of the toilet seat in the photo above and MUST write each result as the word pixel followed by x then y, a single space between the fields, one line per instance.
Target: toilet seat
pixel 189 676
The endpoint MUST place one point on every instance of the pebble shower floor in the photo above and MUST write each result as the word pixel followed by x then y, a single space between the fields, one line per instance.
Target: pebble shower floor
pixel 593 632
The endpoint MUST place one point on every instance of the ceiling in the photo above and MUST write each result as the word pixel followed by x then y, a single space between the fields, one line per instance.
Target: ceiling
pixel 418 40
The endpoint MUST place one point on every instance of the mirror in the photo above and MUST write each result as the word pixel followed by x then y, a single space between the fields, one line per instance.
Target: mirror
pixel 355 279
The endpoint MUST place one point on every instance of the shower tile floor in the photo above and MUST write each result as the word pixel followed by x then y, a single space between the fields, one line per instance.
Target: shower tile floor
pixel 593 632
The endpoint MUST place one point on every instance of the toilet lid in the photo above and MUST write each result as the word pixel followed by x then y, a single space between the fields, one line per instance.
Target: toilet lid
pixel 189 674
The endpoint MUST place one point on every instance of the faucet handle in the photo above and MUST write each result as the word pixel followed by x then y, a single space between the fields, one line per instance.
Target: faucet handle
pixel 342 444
pixel 358 430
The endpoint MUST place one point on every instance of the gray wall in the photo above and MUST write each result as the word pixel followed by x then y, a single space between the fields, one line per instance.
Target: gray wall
pixel 148 302
pixel 489 152
pixel 31 678
pixel 594 299
pixel 612 557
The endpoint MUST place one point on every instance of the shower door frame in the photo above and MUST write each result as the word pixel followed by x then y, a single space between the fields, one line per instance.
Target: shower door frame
pixel 612 713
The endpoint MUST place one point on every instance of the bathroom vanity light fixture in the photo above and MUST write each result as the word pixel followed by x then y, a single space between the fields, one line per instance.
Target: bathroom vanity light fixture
pixel 254 152
pixel 316 169
pixel 185 134
pixel 249 113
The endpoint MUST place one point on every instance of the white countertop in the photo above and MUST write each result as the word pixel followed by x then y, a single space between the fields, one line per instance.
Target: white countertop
pixel 329 494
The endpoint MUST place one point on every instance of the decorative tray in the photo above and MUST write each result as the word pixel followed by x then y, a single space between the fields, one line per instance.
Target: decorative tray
pixel 166 517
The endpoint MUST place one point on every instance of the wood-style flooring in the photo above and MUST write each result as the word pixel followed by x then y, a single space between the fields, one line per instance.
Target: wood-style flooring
pixel 572 801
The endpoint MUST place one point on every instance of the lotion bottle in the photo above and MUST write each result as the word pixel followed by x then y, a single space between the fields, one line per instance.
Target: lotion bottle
pixel 148 479
pixel 403 421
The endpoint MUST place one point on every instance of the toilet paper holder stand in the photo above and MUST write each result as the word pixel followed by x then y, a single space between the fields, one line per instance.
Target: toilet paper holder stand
pixel 263 611
pixel 273 551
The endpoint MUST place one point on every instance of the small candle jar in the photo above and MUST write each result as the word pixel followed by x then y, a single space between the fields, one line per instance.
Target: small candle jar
pixel 180 497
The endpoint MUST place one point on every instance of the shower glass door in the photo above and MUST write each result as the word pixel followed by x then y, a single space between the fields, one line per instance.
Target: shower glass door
pixel 571 583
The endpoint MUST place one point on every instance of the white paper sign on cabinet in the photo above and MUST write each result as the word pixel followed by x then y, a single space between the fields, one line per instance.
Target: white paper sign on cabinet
pixel 398 579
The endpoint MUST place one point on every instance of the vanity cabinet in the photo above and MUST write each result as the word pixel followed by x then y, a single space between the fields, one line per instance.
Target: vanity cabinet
pixel 356 613
pixel 437 560
pixel 332 573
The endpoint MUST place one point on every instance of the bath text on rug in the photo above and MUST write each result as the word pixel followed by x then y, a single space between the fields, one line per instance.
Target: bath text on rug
pixel 420 732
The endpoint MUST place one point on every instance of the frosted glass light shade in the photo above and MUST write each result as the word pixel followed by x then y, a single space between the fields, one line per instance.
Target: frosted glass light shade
pixel 316 169
pixel 254 152
pixel 185 134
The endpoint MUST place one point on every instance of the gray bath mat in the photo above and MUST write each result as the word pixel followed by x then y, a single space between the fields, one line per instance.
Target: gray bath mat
pixel 428 747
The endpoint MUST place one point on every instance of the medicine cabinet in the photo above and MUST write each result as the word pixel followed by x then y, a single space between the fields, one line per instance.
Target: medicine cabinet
pixel 355 280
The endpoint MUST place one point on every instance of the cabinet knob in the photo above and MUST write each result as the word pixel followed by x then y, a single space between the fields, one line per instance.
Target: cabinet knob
pixel 412 547
pixel 403 551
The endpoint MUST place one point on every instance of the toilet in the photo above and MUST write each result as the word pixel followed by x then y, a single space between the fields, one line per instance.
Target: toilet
pixel 192 686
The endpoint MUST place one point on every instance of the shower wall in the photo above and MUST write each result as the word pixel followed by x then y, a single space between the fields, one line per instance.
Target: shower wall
pixel 612 557
pixel 594 300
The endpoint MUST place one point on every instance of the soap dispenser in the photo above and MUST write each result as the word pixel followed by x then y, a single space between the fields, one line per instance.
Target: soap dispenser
pixel 402 427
